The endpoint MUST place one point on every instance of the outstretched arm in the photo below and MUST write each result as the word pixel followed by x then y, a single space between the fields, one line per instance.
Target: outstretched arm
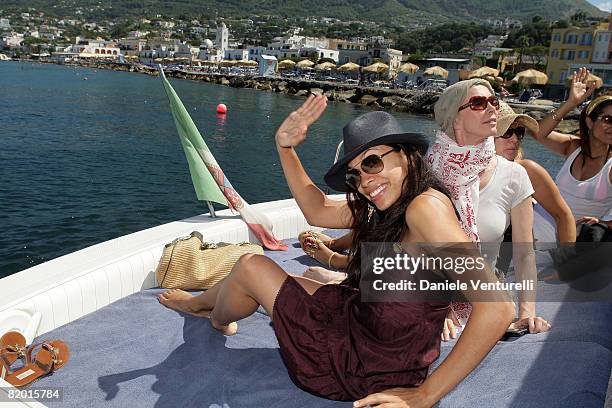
pixel 548 196
pixel 316 207
pixel 580 90
pixel 487 322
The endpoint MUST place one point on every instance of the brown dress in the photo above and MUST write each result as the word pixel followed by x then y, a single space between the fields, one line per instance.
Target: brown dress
pixel 338 347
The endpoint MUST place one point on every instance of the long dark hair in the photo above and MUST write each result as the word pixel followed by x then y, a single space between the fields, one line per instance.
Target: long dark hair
pixel 389 225
pixel 585 132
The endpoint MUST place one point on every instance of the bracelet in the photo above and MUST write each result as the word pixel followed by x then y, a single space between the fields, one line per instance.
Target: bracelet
pixel 330 259
pixel 555 117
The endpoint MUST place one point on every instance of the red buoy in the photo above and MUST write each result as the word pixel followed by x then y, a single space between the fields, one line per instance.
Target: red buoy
pixel 221 108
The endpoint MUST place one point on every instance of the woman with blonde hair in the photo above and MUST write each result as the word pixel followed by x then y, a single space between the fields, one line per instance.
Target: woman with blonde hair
pixel 489 191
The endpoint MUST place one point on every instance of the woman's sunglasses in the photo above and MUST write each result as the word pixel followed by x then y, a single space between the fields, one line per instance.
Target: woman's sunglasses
pixel 479 103
pixel 371 164
pixel 519 131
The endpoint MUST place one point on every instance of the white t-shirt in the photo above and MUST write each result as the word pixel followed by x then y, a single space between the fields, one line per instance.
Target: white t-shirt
pixel 506 189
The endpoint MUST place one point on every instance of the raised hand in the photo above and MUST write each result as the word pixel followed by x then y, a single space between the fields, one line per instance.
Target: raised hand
pixel 293 130
pixel 581 88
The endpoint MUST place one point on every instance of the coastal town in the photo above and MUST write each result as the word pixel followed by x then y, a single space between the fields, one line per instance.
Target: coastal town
pixel 378 70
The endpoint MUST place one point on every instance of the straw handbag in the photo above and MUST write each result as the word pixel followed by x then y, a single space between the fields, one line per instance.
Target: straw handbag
pixel 191 263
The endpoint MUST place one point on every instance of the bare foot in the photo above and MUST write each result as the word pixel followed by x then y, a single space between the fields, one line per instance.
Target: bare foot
pixel 324 275
pixel 182 301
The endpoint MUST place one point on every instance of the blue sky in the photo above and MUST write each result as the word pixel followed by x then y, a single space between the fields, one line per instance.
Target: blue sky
pixel 605 5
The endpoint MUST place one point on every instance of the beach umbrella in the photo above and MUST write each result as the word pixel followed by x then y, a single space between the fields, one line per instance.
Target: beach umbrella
pixel 284 64
pixel 325 66
pixel 408 68
pixel 464 74
pixel 247 63
pixel 209 180
pixel 349 66
pixel 591 78
pixel 305 64
pixel 531 76
pixel 484 72
pixel 377 67
pixel 228 63
pixel 436 71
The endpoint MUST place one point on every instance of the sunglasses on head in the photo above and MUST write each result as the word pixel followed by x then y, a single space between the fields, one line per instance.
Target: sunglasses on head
pixel 519 131
pixel 479 103
pixel 607 119
pixel 371 164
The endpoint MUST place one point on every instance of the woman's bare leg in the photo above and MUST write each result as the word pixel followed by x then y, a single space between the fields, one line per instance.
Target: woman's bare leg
pixel 255 280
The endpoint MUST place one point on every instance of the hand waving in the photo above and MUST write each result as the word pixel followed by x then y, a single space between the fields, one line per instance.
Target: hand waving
pixel 293 130
pixel 581 88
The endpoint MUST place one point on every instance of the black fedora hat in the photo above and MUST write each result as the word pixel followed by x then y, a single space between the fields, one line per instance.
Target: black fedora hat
pixel 365 131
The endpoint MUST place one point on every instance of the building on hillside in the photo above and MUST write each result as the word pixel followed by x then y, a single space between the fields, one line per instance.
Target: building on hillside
pixel 576 47
pixel 12 41
pixel 5 24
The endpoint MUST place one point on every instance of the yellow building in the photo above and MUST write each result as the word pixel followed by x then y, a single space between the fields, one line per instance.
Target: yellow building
pixel 577 46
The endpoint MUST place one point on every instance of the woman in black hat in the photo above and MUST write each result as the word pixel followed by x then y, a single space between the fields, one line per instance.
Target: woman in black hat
pixel 334 344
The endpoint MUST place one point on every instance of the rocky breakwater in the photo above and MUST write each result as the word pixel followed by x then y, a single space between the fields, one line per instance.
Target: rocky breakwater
pixel 414 101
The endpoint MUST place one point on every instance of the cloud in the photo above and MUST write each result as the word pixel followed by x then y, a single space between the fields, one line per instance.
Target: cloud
pixel 605 5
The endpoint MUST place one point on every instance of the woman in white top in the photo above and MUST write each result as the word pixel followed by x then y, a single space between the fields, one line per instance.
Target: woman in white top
pixel 488 190
pixel 585 179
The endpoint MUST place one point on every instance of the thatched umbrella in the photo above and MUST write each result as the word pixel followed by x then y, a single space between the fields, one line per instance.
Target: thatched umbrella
pixel 436 71
pixel 349 66
pixel 531 76
pixel 325 66
pixel 284 64
pixel 484 72
pixel 377 68
pixel 408 68
pixel 305 64
pixel 245 63
pixel 228 63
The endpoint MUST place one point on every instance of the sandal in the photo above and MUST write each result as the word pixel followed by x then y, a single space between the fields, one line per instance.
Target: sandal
pixel 318 237
pixel 12 347
pixel 50 356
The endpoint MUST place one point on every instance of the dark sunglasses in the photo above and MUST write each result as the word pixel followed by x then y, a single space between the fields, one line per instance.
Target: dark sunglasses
pixel 479 103
pixel 371 164
pixel 518 131
pixel 607 119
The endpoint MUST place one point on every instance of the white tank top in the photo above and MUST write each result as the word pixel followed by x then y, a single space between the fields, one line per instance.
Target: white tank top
pixel 592 197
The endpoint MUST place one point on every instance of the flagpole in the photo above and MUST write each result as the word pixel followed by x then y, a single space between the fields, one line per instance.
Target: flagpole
pixel 211 209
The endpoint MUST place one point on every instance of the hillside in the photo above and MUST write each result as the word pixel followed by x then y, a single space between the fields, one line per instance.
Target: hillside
pixel 374 10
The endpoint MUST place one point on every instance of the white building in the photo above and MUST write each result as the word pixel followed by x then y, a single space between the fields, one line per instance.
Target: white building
pixel 133 43
pixel 95 49
pixel 255 53
pixel 210 54
pixel 222 39
pixel 11 41
pixel 236 55
pixel 5 24
pixel 601 47
pixel 137 34
pixel 320 53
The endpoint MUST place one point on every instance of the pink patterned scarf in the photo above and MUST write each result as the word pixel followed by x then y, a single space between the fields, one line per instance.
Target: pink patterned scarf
pixel 459 168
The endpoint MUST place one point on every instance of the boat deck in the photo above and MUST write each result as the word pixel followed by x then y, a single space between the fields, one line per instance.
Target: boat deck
pixel 135 352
